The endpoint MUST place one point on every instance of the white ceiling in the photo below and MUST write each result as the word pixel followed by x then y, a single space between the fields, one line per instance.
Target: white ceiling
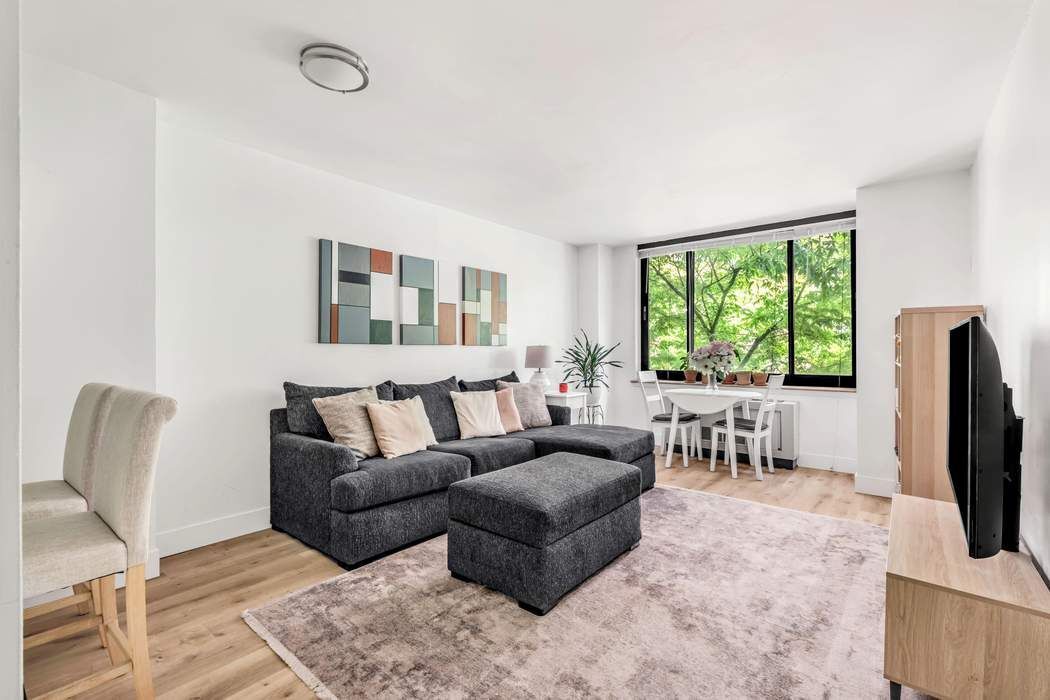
pixel 586 121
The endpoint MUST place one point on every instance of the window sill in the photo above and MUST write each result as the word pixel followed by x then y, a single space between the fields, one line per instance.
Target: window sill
pixel 820 389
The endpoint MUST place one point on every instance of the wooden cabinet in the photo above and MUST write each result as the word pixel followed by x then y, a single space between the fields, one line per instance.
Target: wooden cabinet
pixel 921 390
pixel 958 627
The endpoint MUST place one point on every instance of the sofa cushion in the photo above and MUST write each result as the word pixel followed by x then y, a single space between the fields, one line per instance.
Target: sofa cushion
pixel 607 441
pixel 489 454
pixel 347 420
pixel 531 403
pixel 486 384
pixel 437 400
pixel 379 480
pixel 304 419
pixel 399 427
pixel 541 501
pixel 477 413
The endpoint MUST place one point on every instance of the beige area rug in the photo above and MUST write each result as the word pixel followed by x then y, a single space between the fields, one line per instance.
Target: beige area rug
pixel 724 598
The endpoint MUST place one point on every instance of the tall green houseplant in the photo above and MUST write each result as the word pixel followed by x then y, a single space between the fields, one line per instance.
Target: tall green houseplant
pixel 586 363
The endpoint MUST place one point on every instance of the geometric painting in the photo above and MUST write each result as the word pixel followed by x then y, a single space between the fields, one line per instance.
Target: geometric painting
pixel 484 307
pixel 356 295
pixel 427 317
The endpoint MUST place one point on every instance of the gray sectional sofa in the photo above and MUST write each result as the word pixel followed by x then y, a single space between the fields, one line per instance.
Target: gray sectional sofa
pixel 355 510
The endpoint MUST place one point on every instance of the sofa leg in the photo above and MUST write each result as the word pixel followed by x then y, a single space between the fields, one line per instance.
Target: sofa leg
pixel 533 609
pixel 460 577
pixel 634 546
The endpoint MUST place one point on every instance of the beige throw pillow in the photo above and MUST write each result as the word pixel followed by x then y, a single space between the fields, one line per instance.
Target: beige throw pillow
pixel 478 414
pixel 421 414
pixel 531 403
pixel 397 429
pixel 347 420
pixel 508 412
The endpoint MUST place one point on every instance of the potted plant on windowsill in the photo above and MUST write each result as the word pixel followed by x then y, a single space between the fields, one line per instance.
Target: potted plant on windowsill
pixel 586 366
pixel 688 370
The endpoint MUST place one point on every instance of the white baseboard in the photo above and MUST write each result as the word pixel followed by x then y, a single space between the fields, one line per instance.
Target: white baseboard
pixel 829 462
pixel 211 531
pixel 874 486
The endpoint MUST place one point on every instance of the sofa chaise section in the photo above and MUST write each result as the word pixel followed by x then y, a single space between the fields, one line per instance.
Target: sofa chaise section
pixel 612 442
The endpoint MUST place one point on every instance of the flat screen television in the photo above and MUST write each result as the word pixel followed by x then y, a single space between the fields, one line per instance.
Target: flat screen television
pixel 984 441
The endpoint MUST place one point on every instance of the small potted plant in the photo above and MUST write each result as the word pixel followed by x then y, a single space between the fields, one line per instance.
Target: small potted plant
pixel 586 365
pixel 688 370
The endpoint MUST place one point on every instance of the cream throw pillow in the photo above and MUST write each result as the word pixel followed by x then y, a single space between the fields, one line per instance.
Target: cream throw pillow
pixel 478 414
pixel 531 403
pixel 508 412
pixel 397 428
pixel 421 414
pixel 347 420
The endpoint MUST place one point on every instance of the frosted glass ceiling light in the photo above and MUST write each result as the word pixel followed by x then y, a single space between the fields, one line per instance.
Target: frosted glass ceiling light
pixel 333 67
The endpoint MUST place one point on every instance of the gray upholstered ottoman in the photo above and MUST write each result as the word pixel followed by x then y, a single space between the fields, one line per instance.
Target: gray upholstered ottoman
pixel 537 530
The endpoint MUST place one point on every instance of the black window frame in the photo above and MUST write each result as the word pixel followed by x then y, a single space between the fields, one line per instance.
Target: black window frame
pixel 791 378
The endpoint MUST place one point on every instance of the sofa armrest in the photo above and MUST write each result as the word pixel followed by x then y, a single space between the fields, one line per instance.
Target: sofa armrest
pixel 301 472
pixel 560 415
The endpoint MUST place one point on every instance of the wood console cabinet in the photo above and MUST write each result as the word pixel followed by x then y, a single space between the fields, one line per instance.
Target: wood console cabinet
pixel 958 627
pixel 921 411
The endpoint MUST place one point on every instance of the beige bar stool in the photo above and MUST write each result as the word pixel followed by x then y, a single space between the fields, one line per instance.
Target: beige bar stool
pixel 72 493
pixel 92 547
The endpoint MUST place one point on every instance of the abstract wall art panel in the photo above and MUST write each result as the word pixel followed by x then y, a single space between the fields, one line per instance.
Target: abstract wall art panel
pixel 356 294
pixel 484 307
pixel 428 302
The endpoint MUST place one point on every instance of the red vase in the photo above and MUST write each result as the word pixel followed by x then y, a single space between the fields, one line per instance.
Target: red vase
pixel 563 388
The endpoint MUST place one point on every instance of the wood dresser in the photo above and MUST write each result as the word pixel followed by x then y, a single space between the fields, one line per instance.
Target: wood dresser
pixel 958 627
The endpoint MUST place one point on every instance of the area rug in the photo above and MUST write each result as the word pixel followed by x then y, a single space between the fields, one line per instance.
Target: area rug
pixel 723 598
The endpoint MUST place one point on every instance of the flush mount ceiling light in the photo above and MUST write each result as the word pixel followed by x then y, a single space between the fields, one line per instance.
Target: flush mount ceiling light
pixel 333 67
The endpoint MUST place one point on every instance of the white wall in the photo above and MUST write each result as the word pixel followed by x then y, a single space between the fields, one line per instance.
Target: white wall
pixel 237 234
pixel 10 477
pixel 1012 257
pixel 913 249
pixel 827 420
pixel 88 149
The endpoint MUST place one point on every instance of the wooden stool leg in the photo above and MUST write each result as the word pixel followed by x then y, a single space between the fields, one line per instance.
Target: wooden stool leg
pixel 108 595
pixel 96 607
pixel 83 608
pixel 135 606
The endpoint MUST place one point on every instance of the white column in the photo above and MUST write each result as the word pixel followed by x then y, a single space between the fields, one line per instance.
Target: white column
pixel 10 429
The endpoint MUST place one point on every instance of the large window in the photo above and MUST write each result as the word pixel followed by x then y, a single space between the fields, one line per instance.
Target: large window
pixel 787 307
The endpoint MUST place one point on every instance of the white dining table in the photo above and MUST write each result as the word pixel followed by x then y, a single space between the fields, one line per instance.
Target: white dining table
pixel 704 401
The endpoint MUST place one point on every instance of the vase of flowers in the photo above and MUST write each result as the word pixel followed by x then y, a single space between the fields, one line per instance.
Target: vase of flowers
pixel 716 356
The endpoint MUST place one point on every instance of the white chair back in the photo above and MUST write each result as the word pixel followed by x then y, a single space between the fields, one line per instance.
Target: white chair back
pixel 652 393
pixel 769 401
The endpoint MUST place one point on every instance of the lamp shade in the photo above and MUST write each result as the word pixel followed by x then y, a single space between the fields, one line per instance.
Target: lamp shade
pixel 538 356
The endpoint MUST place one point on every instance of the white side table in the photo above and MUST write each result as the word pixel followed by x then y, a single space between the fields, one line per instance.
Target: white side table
pixel 575 401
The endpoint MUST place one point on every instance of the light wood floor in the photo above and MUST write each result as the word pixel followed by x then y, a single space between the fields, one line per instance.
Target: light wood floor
pixel 202 649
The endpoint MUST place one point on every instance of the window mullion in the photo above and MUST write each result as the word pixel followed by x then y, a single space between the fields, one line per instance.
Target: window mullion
pixel 791 306
pixel 690 290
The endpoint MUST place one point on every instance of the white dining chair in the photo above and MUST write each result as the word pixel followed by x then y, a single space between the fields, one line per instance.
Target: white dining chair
pixel 660 416
pixel 753 431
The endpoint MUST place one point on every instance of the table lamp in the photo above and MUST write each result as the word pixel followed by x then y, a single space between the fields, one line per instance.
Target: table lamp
pixel 538 356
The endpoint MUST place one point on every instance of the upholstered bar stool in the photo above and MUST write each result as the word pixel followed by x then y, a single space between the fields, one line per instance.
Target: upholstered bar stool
pixel 72 493
pixel 94 546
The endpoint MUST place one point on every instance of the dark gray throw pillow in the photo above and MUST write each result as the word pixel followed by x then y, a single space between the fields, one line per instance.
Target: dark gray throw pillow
pixel 487 384
pixel 437 400
pixel 304 419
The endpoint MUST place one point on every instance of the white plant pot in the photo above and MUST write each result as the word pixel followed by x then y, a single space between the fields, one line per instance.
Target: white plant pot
pixel 596 396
